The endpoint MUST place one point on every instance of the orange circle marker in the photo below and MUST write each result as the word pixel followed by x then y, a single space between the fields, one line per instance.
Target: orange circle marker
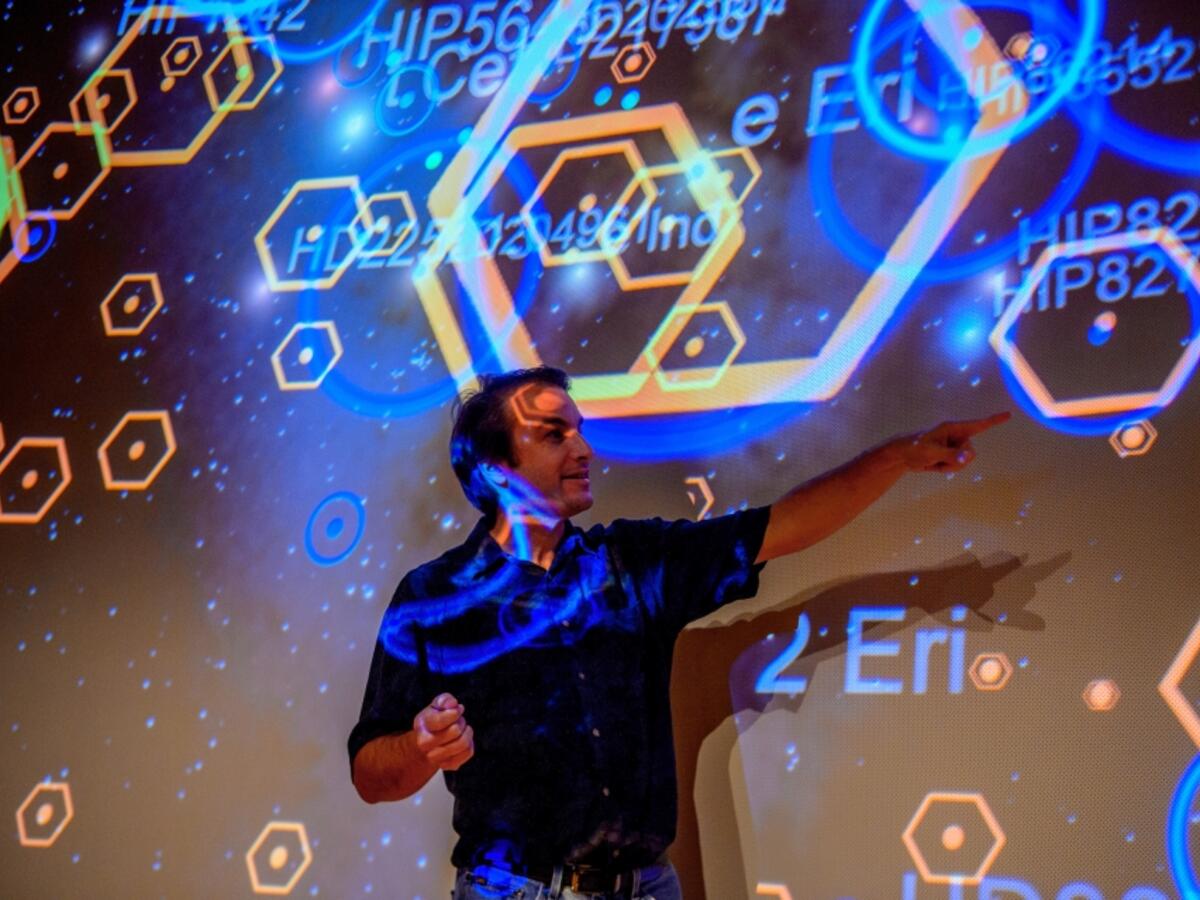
pixel 545 401
pixel 1133 437
pixel 132 302
pixel 60 171
pixel 305 356
pixel 278 858
pixel 103 101
pixel 314 233
pixel 586 202
pixel 953 837
pixel 990 671
pixel 167 83
pixel 44 813
pixel 29 479
pixel 632 61
pixel 137 450
pixel 21 105
pixel 693 346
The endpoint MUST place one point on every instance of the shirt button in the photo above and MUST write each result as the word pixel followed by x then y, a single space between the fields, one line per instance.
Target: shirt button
pixel 595 732
pixel 566 623
pixel 582 677
pixel 604 791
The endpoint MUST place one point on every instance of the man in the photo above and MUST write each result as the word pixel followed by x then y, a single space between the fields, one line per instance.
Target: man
pixel 531 664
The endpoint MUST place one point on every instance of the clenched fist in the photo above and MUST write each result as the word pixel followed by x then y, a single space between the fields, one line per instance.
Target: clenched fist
pixel 443 736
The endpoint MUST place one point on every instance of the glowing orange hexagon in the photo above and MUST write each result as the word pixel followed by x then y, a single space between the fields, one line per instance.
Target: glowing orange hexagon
pixel 1133 438
pixel 393 214
pixel 1170 689
pixel 668 334
pixel 605 248
pixel 156 19
pixel 953 839
pixel 244 73
pixel 633 62
pixel 288 857
pixel 484 283
pixel 31 477
pixel 1101 695
pixel 725 215
pixel 471 175
pixel 751 171
pixel 771 889
pixel 262 240
pixel 21 105
pixel 306 354
pixel 136 451
pixel 44 814
pixel 700 482
pixel 133 314
pixel 181 57
pixel 990 671
pixel 99 106
pixel 1177 254
pixel 44 161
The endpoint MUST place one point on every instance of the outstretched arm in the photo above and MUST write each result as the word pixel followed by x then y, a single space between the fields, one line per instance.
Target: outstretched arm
pixel 816 509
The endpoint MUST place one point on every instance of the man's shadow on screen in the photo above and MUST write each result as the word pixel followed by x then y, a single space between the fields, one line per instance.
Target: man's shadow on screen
pixel 715 669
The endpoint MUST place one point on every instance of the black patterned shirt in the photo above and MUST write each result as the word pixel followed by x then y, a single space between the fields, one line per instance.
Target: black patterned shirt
pixel 564 674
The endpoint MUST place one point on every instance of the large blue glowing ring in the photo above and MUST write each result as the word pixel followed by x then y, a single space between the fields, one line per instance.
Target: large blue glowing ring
pixel 903 141
pixel 860 250
pixel 1182 869
pixel 1135 143
pixel 1182 157
pixel 331 559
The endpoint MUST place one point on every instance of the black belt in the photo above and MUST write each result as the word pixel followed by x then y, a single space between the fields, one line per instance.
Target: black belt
pixel 587 879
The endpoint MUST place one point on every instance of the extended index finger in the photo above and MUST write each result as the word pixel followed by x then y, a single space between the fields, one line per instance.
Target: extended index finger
pixel 970 427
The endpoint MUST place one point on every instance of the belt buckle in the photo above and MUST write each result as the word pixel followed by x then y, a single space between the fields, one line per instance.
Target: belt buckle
pixel 578 873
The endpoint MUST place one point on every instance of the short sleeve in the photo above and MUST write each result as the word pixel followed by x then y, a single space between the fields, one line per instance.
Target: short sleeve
pixel 396 684
pixel 699 566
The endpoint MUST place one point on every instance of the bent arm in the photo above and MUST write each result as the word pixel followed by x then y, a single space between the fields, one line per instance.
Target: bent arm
pixel 391 767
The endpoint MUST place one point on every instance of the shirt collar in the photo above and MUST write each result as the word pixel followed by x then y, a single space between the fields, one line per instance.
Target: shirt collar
pixel 485 555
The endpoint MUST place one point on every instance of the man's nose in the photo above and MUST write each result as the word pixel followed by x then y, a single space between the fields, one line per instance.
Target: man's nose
pixel 582 449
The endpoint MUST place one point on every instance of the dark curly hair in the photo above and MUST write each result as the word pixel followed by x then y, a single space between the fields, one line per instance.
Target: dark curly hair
pixel 483 430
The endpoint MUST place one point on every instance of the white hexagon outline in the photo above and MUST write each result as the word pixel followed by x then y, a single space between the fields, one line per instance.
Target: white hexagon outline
pixel 326 325
pixel 273 826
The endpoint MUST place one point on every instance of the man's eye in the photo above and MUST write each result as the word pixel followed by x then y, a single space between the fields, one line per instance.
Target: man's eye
pixel 555 434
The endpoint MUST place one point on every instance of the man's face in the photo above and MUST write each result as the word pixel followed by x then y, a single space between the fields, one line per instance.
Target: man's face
pixel 551 475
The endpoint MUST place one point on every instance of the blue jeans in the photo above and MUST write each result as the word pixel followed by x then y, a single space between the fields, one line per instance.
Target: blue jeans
pixel 656 882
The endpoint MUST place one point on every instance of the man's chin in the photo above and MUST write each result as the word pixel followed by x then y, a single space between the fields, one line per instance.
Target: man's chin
pixel 579 504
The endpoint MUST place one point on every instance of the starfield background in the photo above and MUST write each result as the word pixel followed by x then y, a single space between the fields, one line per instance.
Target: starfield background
pixel 250 251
